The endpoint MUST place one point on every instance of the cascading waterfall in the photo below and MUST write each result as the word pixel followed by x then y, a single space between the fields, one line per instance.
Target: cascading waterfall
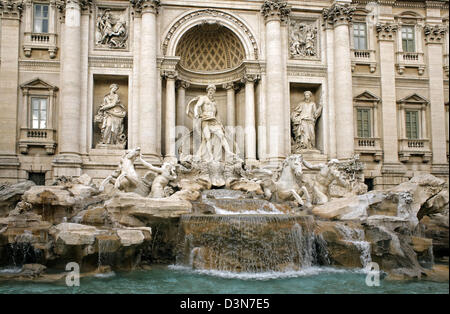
pixel 106 250
pixel 22 250
pixel 249 243
pixel 357 238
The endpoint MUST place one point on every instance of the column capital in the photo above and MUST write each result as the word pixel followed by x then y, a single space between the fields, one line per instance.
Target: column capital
pixel 338 14
pixel 11 9
pixel 250 78
pixel 275 9
pixel 146 6
pixel 228 86
pixel 386 31
pixel 170 74
pixel 182 84
pixel 434 34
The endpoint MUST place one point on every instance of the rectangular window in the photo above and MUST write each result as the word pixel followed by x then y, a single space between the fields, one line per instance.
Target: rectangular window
pixel 40 18
pixel 408 39
pixel 37 177
pixel 363 120
pixel 38 113
pixel 360 36
pixel 412 124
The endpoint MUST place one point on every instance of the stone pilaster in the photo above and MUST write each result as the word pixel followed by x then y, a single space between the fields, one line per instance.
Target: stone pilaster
pixel 274 12
pixel 386 34
pixel 339 17
pixel 331 127
pixel 170 115
pixel 434 39
pixel 148 138
pixel 10 12
pixel 250 120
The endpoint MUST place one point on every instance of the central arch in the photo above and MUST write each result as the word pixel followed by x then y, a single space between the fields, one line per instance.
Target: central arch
pixel 209 16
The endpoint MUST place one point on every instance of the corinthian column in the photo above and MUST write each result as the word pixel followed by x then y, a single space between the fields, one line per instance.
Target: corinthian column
pixel 170 119
pixel 339 16
pixel 148 105
pixel 434 37
pixel 70 105
pixel 274 11
pixel 250 121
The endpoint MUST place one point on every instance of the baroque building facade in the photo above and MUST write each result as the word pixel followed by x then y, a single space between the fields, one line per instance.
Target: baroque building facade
pixel 84 80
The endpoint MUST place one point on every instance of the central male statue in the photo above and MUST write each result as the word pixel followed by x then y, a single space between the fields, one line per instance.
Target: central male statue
pixel 203 110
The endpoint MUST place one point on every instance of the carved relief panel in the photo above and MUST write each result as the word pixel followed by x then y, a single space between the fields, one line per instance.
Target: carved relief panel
pixel 112 28
pixel 304 39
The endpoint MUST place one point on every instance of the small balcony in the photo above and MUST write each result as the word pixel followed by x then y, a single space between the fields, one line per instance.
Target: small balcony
pixel 37 137
pixel 369 146
pixel 42 41
pixel 364 57
pixel 410 60
pixel 417 147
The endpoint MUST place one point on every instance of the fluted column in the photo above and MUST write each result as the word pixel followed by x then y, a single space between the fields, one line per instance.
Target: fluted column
pixel 339 16
pixel 250 120
pixel 70 105
pixel 434 38
pixel 386 35
pixel 274 11
pixel 148 105
pixel 170 116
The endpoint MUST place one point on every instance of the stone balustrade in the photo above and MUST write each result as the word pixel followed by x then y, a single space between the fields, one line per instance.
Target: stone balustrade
pixel 40 41
pixel 410 60
pixel 38 138
pixel 364 57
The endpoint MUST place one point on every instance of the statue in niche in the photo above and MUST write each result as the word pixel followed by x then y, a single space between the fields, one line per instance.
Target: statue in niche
pixel 203 111
pixel 303 120
pixel 302 40
pixel 111 31
pixel 110 115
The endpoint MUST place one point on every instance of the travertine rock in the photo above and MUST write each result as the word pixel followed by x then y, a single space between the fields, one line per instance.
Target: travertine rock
pixel 10 195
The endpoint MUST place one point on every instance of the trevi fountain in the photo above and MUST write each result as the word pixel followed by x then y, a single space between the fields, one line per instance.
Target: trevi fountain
pixel 202 146
pixel 209 216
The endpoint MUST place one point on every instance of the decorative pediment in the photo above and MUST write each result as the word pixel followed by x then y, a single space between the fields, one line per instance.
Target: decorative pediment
pixel 38 84
pixel 367 97
pixel 413 99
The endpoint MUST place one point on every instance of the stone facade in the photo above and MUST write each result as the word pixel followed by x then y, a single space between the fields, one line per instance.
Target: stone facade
pixel 60 57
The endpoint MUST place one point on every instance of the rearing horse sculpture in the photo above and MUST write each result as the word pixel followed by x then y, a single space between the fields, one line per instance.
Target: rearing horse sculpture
pixel 290 184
